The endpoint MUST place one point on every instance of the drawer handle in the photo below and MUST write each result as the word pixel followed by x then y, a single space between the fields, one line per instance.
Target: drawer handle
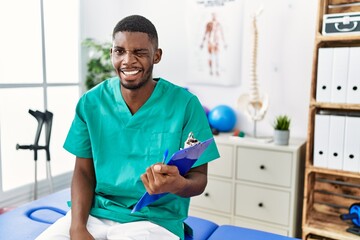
pixel 262 167
pixel 207 194
pixel 261 204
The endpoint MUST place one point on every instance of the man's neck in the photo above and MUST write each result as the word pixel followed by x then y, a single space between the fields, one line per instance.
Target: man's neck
pixel 135 98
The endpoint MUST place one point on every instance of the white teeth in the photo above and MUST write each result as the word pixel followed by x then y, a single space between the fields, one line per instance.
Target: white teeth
pixel 130 72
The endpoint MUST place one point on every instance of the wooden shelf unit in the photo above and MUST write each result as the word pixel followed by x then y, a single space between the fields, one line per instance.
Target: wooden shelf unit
pixel 328 193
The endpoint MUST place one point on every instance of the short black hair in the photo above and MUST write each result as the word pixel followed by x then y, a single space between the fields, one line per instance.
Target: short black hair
pixel 137 23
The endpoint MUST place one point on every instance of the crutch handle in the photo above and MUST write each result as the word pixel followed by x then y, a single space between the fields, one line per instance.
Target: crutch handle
pixel 24 147
pixel 30 147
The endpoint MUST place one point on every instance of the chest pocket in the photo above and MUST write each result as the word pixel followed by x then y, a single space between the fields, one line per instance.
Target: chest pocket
pixel 162 141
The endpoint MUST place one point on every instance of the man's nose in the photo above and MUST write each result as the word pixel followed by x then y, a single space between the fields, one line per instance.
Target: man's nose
pixel 128 56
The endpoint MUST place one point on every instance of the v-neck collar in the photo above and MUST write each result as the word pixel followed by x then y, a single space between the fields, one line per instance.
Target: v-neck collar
pixel 127 117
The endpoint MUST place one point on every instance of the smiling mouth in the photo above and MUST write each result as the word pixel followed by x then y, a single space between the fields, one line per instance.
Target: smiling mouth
pixel 130 73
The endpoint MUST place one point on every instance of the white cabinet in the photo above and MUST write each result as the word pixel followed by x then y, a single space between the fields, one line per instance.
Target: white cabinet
pixel 212 200
pixel 255 185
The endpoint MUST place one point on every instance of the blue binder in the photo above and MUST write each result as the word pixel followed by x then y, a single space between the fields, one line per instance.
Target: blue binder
pixel 184 159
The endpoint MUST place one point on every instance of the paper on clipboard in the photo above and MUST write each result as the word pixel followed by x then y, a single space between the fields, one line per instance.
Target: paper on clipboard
pixel 184 159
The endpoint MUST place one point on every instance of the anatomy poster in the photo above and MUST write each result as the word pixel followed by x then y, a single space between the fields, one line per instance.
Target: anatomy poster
pixel 214 41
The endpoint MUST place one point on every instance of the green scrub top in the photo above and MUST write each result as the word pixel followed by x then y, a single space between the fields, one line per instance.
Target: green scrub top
pixel 123 145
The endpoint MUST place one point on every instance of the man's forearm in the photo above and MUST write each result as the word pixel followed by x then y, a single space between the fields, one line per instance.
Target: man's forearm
pixel 82 193
pixel 195 182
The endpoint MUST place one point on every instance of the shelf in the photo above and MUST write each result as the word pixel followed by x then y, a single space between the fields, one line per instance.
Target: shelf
pixel 328 193
pixel 335 106
pixel 312 169
pixel 341 38
pixel 327 225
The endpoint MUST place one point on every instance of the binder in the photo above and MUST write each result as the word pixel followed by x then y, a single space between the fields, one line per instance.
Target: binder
pixel 336 142
pixel 339 75
pixel 321 140
pixel 353 84
pixel 324 74
pixel 352 144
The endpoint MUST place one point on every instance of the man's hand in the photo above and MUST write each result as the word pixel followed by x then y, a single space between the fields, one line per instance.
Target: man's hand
pixel 160 178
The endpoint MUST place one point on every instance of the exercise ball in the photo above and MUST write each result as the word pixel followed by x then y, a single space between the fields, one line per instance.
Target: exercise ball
pixel 222 118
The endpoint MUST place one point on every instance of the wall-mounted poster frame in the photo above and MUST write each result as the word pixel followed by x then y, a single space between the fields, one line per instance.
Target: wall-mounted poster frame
pixel 214 41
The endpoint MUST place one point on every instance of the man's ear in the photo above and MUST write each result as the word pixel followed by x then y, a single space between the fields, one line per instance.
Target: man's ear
pixel 157 56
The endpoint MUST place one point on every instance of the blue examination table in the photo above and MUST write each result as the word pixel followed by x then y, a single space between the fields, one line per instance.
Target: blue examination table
pixel 29 220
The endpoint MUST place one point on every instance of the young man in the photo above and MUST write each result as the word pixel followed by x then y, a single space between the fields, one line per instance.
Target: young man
pixel 119 134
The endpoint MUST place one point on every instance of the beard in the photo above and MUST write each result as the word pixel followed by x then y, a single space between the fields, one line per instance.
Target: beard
pixel 134 86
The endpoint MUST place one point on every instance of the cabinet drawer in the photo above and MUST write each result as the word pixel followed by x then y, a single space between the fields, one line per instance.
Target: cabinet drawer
pixel 264 166
pixel 223 166
pixel 217 196
pixel 262 204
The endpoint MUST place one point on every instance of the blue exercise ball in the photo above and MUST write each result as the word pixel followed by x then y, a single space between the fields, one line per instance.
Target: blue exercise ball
pixel 222 118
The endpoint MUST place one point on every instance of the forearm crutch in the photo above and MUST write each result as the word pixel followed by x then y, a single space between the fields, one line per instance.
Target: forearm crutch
pixel 41 119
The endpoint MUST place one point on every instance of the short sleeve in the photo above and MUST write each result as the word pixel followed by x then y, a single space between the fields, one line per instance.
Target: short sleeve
pixel 78 140
pixel 197 123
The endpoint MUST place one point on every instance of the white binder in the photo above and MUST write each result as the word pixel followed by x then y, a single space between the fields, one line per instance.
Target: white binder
pixel 339 75
pixel 352 144
pixel 353 85
pixel 324 74
pixel 336 142
pixel 321 140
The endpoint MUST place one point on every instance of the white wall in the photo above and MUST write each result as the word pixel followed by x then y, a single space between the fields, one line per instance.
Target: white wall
pixel 286 40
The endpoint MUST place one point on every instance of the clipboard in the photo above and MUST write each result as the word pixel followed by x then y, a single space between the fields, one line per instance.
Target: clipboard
pixel 184 159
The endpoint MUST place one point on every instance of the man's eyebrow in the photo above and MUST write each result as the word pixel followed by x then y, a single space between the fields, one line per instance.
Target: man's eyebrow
pixel 133 50
pixel 141 49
